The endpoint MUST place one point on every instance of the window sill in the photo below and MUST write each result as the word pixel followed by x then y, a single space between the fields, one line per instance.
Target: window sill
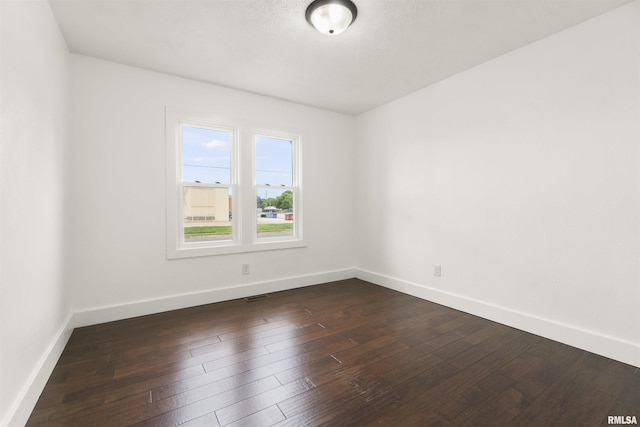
pixel 189 251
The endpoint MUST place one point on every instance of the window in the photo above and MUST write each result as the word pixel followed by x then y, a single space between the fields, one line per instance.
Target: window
pixel 275 190
pixel 230 188
pixel 207 183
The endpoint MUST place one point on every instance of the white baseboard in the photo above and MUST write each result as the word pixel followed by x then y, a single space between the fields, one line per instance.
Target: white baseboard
pixel 611 347
pixel 623 351
pixel 26 399
pixel 157 305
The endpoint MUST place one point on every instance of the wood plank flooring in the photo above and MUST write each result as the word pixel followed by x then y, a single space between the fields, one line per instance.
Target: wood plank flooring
pixel 347 353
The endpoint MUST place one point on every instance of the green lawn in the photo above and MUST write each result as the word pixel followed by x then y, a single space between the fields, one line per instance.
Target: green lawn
pixel 225 230
pixel 207 231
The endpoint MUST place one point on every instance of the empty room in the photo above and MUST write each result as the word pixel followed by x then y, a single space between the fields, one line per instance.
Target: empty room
pixel 329 212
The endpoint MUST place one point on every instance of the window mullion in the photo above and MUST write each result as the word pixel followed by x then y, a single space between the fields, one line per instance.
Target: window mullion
pixel 245 162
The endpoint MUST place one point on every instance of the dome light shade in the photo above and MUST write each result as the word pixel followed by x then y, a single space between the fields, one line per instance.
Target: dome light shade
pixel 331 17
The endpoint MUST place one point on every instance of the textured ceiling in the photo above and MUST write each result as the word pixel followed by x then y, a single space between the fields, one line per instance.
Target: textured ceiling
pixel 266 46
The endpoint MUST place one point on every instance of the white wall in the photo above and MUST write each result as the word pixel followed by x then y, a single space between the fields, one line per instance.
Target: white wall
pixel 34 304
pixel 118 255
pixel 520 177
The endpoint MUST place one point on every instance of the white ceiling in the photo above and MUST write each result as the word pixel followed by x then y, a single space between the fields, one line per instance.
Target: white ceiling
pixel 266 46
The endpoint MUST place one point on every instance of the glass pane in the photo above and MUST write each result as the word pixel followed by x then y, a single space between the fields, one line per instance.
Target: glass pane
pixel 206 155
pixel 207 214
pixel 274 161
pixel 275 212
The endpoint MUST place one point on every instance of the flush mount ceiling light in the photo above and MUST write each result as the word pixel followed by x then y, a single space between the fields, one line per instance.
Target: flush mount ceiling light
pixel 331 17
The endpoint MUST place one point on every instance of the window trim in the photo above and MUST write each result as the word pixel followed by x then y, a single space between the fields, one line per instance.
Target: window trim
pixel 244 132
pixel 295 185
pixel 234 183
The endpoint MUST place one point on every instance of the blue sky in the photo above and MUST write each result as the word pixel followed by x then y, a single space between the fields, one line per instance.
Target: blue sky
pixel 273 161
pixel 206 157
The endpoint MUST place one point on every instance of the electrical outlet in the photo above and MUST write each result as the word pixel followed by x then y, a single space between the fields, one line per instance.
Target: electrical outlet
pixel 437 270
pixel 246 269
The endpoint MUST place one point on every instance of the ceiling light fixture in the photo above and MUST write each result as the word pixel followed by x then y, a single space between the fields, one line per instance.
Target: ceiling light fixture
pixel 331 17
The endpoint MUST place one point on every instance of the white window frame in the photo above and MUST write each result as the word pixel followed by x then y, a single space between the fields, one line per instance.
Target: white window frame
pixel 244 202
pixel 295 186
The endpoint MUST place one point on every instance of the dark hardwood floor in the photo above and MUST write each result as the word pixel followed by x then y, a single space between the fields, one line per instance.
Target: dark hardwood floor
pixel 340 354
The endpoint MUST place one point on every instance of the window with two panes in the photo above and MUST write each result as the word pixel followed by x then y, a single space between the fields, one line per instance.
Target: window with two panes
pixel 209 165
pixel 207 183
pixel 275 192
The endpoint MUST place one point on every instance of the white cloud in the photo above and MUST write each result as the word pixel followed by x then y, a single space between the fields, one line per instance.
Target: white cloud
pixel 216 145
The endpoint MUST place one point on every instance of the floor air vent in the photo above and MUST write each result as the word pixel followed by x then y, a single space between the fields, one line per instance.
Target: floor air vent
pixel 256 297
